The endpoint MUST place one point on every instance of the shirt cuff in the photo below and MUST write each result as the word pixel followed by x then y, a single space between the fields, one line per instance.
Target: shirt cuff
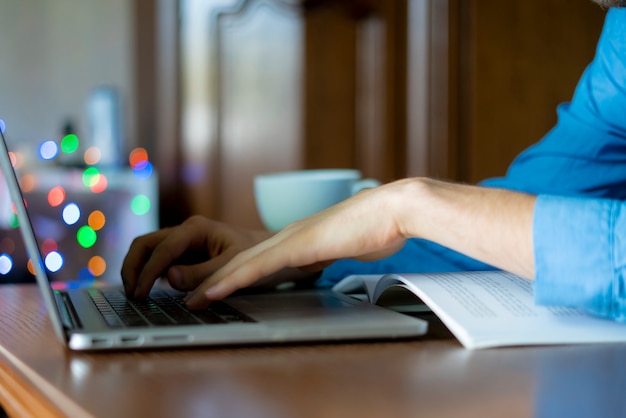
pixel 579 260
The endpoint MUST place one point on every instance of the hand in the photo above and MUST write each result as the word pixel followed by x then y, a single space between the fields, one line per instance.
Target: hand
pixel 491 225
pixel 362 227
pixel 186 254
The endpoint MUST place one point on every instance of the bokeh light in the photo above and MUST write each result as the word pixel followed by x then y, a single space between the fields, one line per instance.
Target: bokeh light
pixel 56 196
pixel 137 157
pixel 143 171
pixel 92 156
pixel 48 150
pixel 96 220
pixel 100 185
pixel 6 264
pixel 140 205
pixel 3 126
pixel 54 261
pixel 71 213
pixel 7 245
pixel 91 228
pixel 49 245
pixel 17 159
pixel 27 183
pixel 31 267
pixel 97 265
pixel 91 176
pixel 69 143
pixel 13 221
pixel 86 236
pixel 84 275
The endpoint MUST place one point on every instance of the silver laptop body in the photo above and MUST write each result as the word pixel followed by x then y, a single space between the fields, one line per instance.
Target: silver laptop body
pixel 276 317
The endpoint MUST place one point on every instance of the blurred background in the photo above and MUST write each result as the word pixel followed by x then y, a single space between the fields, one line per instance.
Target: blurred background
pixel 205 94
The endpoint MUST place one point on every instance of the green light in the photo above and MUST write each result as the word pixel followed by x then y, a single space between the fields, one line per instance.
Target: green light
pixel 69 143
pixel 140 205
pixel 91 176
pixel 14 222
pixel 86 236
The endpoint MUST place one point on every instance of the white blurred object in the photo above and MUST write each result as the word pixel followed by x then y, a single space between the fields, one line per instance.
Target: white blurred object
pixel 105 127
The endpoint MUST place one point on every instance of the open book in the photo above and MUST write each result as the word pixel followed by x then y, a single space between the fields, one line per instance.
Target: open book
pixel 485 309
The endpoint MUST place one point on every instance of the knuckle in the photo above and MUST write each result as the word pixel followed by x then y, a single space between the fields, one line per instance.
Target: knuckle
pixel 137 241
pixel 195 221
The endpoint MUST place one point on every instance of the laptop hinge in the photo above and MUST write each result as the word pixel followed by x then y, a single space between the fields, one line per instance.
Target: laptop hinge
pixel 68 314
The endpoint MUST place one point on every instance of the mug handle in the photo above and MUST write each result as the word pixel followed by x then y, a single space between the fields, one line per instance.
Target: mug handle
pixel 363 184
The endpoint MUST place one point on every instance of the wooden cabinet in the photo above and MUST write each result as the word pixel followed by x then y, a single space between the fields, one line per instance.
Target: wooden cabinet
pixel 446 88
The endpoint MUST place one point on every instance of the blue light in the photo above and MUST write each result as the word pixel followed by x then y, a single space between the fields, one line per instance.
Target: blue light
pixel 6 262
pixel 3 127
pixel 48 150
pixel 84 275
pixel 143 171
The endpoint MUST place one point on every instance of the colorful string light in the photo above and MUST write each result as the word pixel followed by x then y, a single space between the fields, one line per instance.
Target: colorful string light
pixel 100 184
pixel 97 266
pixel 48 150
pixel 56 196
pixel 96 220
pixel 6 264
pixel 86 236
pixel 92 156
pixel 140 205
pixel 70 212
pixel 53 261
pixel 69 144
pixel 49 245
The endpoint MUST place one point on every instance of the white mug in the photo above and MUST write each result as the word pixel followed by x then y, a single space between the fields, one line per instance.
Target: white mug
pixel 285 197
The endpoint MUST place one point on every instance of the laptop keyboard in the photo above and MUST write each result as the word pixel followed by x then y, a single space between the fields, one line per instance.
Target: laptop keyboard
pixel 159 309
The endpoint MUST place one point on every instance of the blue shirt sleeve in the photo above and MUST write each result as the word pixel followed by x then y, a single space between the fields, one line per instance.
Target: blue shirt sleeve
pixel 580 254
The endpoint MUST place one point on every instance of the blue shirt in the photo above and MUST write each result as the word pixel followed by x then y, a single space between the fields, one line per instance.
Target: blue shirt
pixel 579 172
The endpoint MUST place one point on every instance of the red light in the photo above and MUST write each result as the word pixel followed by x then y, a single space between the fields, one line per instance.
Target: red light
pixel 138 156
pixel 48 246
pixel 100 185
pixel 56 196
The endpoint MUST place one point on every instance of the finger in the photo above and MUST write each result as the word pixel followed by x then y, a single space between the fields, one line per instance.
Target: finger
pixel 135 259
pixel 197 299
pixel 188 277
pixel 246 268
pixel 317 266
pixel 169 249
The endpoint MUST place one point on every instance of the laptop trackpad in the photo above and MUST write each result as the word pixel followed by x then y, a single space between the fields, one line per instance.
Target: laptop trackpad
pixel 304 305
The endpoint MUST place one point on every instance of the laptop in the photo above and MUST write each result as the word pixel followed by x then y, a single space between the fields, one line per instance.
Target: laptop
pixel 102 318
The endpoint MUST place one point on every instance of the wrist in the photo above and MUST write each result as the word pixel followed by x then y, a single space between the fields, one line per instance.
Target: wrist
pixel 412 199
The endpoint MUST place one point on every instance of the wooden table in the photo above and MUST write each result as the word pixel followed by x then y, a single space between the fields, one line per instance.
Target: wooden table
pixel 433 377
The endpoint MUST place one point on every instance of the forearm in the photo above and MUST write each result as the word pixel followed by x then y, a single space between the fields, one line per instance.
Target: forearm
pixel 491 225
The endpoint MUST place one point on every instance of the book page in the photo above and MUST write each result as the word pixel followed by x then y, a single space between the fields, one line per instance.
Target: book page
pixel 496 308
pixel 363 287
pixel 358 283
